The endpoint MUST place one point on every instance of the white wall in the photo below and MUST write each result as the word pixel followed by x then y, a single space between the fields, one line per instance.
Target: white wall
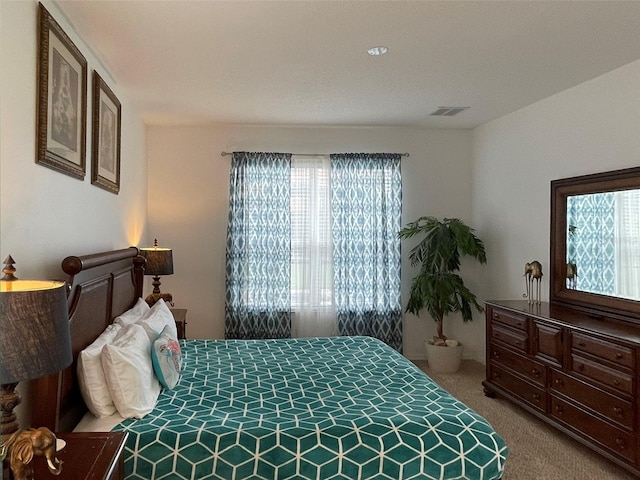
pixel 45 215
pixel 189 201
pixel 590 128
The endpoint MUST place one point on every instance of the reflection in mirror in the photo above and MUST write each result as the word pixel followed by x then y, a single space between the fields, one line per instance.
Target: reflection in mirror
pixel 603 243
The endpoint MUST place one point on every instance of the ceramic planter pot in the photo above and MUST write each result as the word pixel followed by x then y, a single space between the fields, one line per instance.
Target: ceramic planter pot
pixel 443 359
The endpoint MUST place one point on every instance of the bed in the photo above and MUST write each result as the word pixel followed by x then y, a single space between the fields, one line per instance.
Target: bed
pixel 317 408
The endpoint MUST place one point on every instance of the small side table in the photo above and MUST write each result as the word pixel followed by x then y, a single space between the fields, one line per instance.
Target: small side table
pixel 90 456
pixel 180 316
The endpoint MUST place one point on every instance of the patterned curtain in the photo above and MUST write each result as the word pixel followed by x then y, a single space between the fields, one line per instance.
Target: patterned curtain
pixel 258 291
pixel 366 193
pixel 591 241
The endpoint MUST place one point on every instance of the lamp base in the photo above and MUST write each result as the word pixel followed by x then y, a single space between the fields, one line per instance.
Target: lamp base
pixel 9 400
pixel 152 298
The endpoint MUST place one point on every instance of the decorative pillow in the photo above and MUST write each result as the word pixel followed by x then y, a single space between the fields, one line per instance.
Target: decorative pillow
pixel 166 357
pixel 93 385
pixel 129 373
pixel 156 318
pixel 134 314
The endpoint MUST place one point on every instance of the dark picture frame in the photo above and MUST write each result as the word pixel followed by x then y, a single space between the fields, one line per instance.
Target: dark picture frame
pixel 62 100
pixel 105 139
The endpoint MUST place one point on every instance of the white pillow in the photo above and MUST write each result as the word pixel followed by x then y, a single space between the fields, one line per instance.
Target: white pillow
pixel 93 385
pixel 133 315
pixel 129 373
pixel 156 318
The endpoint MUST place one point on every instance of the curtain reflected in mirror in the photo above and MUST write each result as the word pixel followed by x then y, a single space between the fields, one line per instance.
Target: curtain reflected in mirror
pixel 603 243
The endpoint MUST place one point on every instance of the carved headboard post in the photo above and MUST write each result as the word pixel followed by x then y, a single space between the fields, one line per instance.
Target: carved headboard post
pixel 138 273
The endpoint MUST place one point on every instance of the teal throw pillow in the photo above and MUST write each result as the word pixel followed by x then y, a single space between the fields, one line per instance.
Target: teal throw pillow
pixel 166 357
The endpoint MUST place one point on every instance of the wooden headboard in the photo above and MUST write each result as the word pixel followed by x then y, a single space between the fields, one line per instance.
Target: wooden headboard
pixel 101 287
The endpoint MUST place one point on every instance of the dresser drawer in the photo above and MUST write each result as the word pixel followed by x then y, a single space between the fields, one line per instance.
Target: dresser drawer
pixel 605 375
pixel 608 436
pixel 514 338
pixel 547 343
pixel 509 318
pixel 616 409
pixel 535 396
pixel 601 348
pixel 534 371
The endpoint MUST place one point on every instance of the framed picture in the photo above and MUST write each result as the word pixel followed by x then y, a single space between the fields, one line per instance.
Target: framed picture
pixel 62 100
pixel 105 139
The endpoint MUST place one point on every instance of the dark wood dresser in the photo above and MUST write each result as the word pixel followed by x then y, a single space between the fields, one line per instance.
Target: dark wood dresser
pixel 577 372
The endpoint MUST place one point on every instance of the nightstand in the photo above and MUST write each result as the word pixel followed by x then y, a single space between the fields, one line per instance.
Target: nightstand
pixel 90 456
pixel 180 316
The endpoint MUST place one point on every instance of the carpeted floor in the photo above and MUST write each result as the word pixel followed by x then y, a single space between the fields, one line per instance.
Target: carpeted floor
pixel 537 451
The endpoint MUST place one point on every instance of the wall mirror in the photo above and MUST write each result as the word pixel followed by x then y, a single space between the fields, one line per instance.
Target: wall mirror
pixel 595 243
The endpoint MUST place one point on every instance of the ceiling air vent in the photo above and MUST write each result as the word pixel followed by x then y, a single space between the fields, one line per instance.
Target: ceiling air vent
pixel 448 111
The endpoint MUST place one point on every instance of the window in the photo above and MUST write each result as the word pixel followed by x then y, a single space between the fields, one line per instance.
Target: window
pixel 311 244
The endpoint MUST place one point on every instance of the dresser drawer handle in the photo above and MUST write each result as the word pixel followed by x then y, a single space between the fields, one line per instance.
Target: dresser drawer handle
pixel 619 356
pixel 559 382
pixel 620 443
pixel 616 382
pixel 496 354
pixel 536 397
pixel 581 367
pixel 617 411
pixel 517 343
pixel 518 324
pixel 535 372
pixel 496 315
pixel 559 410
pixel 582 344
pixel 496 375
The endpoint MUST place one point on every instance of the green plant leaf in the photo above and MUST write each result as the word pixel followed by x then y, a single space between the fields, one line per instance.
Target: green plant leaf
pixel 437 288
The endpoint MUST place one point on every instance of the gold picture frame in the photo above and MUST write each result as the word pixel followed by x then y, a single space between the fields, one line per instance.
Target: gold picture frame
pixel 105 139
pixel 62 100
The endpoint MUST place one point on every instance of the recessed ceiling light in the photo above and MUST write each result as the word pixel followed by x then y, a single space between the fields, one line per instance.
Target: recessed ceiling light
pixel 377 50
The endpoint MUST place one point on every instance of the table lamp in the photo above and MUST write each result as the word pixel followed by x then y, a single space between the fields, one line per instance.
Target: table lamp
pixel 34 337
pixel 159 262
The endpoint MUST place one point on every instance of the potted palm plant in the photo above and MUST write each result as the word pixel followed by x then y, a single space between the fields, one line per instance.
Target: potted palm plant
pixel 438 288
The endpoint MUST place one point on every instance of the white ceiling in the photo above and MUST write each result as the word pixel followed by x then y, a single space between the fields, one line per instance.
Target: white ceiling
pixel 306 62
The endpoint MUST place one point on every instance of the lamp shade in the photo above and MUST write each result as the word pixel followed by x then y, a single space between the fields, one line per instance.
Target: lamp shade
pixel 34 329
pixel 159 260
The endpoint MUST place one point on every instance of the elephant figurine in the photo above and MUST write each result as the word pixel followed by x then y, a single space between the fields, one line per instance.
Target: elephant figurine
pixel 25 444
pixel 533 270
pixel 572 275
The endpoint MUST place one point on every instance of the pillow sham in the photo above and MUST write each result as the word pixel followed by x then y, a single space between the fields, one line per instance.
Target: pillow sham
pixel 166 357
pixel 129 373
pixel 133 314
pixel 91 380
pixel 156 318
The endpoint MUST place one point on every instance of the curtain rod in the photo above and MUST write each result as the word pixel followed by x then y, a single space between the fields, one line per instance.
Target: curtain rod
pixel 224 154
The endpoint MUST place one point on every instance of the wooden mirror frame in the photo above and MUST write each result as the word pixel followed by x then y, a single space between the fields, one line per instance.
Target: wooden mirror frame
pixel 599 305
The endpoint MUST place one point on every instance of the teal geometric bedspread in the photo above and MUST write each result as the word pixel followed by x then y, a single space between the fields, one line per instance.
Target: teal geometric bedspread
pixel 328 408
